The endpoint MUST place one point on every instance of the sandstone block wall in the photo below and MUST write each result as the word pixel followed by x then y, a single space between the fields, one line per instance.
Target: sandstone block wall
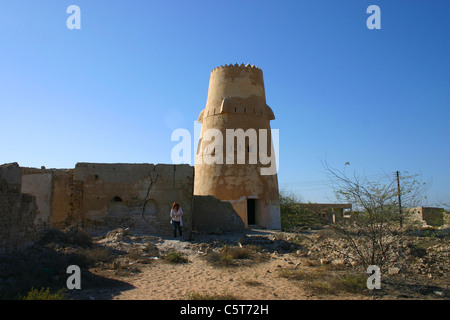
pixel 63 198
pixel 213 215
pixel 101 197
pixel 431 216
pixel 38 183
pixel 17 211
pixel 138 196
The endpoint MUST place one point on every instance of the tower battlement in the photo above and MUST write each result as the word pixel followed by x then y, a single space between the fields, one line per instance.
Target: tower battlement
pixel 234 66
pixel 236 87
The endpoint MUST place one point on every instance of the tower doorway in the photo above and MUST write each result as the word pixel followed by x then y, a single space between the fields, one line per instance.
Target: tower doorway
pixel 251 211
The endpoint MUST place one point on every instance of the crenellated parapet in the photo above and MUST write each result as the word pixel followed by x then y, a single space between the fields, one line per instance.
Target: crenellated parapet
pixel 248 66
pixel 237 89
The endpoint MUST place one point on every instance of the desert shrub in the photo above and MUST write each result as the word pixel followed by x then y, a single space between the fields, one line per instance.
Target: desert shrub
pixel 176 257
pixel 292 274
pixel 79 237
pixel 71 236
pixel 52 236
pixel 302 275
pixel 350 283
pixel 371 231
pixel 236 252
pixel 294 215
pixel 151 248
pixel 134 254
pixel 321 281
pixel 417 250
pixel 426 243
pixel 320 287
pixel 45 294
pixel 233 256
pixel 219 259
pixel 296 240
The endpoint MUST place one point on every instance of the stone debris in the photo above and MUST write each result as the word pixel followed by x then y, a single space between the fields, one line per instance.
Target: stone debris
pixel 393 270
pixel 426 256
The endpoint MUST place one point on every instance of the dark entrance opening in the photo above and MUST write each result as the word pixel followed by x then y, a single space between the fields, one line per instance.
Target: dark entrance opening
pixel 251 211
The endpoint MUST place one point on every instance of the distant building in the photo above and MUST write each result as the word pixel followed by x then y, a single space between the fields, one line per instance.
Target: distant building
pixel 432 216
pixel 332 211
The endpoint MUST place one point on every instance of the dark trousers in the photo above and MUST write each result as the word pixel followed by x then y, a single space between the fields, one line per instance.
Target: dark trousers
pixel 176 224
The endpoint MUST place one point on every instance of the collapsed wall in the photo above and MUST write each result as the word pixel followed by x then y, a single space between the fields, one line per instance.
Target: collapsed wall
pixel 17 210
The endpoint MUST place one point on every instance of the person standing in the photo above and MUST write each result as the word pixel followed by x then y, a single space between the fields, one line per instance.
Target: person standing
pixel 176 214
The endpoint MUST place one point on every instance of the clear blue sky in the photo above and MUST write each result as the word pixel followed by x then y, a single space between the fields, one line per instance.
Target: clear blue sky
pixel 116 89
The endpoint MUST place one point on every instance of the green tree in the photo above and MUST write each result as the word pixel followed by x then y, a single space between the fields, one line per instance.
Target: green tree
pixel 294 215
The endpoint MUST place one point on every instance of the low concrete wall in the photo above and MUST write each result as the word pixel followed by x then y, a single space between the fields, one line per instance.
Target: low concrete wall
pixel 214 215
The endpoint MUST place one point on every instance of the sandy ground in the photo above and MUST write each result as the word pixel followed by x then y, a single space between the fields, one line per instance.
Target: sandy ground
pixel 150 276
pixel 175 281
pixel 160 280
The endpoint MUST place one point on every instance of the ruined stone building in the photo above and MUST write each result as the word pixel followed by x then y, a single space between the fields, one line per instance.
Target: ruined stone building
pixel 332 212
pixel 431 216
pixel 232 186
pixel 101 197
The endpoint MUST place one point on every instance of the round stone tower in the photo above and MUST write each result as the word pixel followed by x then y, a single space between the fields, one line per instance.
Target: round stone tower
pixel 235 159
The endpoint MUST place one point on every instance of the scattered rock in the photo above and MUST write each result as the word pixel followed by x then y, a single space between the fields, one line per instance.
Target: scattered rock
pixel 393 270
pixel 338 262
pixel 439 293
pixel 310 263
